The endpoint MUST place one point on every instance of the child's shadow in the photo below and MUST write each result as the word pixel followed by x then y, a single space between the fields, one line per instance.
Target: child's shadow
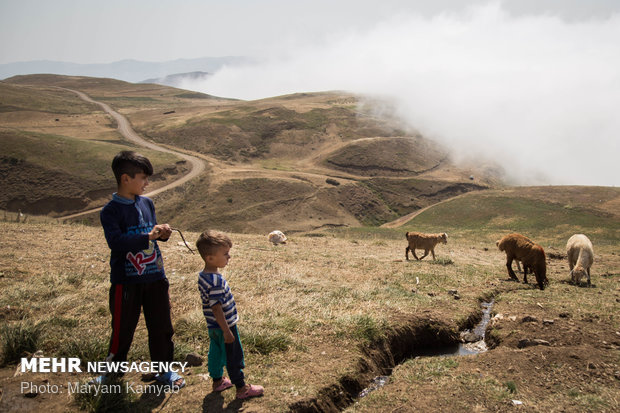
pixel 150 399
pixel 214 403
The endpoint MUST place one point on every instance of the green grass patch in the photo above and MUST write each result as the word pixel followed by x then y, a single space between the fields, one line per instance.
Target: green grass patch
pixel 442 261
pixel 18 340
pixel 360 327
pixel 511 386
pixel 86 348
pixel 192 331
pixel 264 343
pixel 133 99
pixel 41 99
pixel 76 157
pixel 193 95
pixel 491 214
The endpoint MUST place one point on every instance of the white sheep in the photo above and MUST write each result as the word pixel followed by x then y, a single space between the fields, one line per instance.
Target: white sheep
pixel 277 237
pixel 580 256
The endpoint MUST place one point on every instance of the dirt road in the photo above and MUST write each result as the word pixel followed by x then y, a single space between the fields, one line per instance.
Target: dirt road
pixel 125 129
pixel 399 222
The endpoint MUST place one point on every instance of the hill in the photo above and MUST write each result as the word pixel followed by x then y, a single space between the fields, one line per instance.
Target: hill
pixel 337 306
pixel 297 162
pixel 322 316
pixel 56 151
pixel 128 70
pixel 550 212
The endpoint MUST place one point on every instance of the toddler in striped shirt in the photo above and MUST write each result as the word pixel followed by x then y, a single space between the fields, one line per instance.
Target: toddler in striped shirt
pixel 220 311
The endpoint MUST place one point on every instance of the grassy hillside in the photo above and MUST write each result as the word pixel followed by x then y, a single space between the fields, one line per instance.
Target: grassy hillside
pixel 51 174
pixel 298 162
pixel 542 213
pixel 105 87
pixel 322 315
pixel 20 98
pixel 56 151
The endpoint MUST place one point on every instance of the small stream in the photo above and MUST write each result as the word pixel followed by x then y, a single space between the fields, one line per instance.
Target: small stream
pixel 460 349
pixel 480 346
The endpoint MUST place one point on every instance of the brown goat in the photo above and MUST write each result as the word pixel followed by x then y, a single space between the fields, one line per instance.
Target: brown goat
pixel 532 255
pixel 426 242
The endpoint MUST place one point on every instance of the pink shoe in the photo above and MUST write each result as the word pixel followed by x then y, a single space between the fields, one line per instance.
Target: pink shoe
pixel 250 390
pixel 225 384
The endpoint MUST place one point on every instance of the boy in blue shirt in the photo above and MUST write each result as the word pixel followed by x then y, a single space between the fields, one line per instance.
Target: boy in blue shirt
pixel 220 310
pixel 136 266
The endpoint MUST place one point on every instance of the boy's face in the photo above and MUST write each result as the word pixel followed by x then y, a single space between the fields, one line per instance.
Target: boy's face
pixel 219 259
pixel 135 185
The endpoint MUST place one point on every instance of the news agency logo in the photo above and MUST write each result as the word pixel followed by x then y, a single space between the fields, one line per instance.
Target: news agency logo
pixel 51 365
pixel 74 365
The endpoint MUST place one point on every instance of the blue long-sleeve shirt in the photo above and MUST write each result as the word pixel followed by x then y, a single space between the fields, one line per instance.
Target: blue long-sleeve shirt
pixel 126 224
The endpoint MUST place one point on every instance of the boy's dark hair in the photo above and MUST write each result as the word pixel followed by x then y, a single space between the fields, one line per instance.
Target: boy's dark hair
pixel 130 163
pixel 209 241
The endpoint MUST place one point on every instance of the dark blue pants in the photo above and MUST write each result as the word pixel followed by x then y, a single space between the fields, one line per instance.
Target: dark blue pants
pixel 126 303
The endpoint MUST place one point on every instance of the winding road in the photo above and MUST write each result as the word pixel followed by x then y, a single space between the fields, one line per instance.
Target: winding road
pixel 399 222
pixel 125 129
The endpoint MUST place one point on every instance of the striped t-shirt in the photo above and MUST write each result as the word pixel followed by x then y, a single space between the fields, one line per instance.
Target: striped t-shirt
pixel 214 289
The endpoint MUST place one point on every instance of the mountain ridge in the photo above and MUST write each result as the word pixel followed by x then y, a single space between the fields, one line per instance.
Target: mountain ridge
pixel 129 70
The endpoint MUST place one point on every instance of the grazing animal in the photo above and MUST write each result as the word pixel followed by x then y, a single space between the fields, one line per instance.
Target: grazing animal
pixel 277 237
pixel 532 255
pixel 580 256
pixel 516 260
pixel 426 242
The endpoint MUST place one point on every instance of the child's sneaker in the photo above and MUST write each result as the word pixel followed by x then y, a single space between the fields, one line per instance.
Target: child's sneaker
pixel 250 390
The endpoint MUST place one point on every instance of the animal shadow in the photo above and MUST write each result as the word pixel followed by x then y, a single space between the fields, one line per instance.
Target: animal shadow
pixel 580 285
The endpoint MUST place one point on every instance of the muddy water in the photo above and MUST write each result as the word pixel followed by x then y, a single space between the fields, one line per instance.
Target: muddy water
pixel 461 349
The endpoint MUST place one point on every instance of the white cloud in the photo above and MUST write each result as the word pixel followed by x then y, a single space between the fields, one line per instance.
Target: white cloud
pixel 538 93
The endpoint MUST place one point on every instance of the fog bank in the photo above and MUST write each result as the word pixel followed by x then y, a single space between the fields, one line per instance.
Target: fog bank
pixel 538 94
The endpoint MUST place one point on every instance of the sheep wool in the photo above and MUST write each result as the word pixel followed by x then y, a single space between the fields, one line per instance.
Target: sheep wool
pixel 580 255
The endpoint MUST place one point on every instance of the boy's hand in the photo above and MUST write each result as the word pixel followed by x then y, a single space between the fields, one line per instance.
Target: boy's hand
pixel 162 231
pixel 221 321
pixel 166 231
pixel 228 337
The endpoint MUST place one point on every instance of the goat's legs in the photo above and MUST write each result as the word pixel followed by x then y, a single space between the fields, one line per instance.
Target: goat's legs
pixel 415 256
pixel 511 273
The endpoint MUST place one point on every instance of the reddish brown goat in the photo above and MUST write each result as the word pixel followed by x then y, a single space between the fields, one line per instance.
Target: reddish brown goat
pixel 532 255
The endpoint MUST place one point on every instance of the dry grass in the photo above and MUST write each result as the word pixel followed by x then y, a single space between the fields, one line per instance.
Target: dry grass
pixel 307 308
pixel 301 304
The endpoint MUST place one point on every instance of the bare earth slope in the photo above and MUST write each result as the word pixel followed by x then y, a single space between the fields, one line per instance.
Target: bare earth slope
pixel 299 162
pixel 55 152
